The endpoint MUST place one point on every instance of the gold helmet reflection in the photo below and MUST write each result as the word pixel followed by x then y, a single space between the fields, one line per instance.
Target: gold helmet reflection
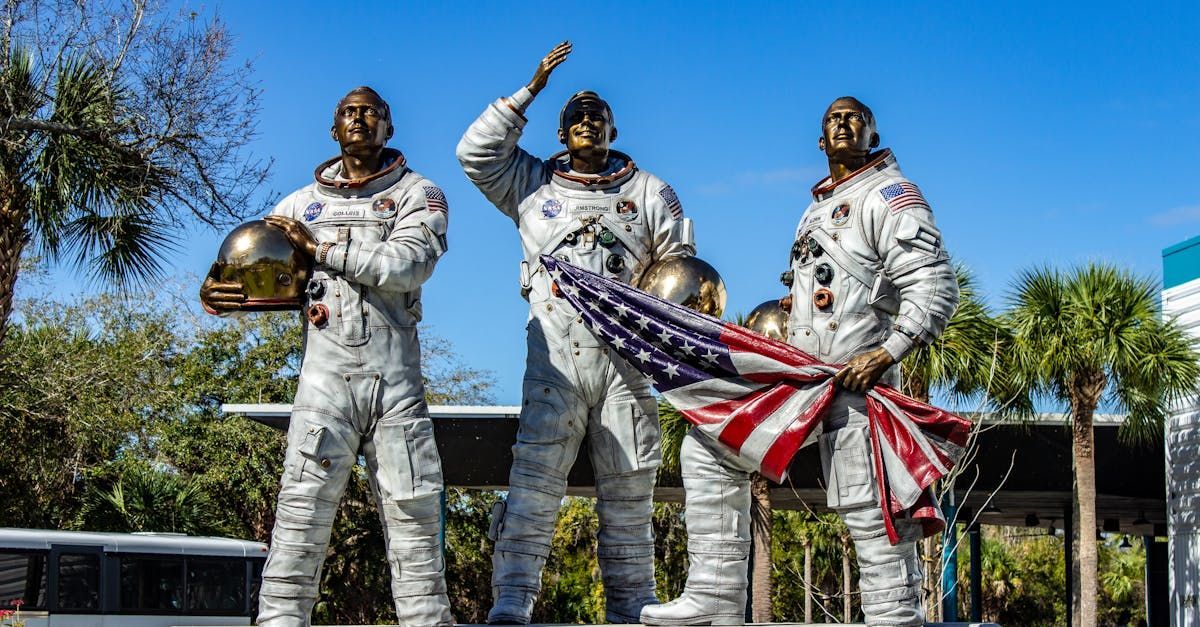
pixel 272 272
pixel 687 281
pixel 769 319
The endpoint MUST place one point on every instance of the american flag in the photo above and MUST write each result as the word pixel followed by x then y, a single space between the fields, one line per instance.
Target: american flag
pixel 669 197
pixel 900 196
pixel 762 398
pixel 435 200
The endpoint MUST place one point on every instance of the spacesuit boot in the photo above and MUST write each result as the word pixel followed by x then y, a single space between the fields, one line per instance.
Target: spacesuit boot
pixel 512 603
pixel 889 575
pixel 626 544
pixel 717 514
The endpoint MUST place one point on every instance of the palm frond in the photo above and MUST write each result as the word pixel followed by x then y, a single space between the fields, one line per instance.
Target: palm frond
pixel 126 250
pixel 1099 319
pixel 94 196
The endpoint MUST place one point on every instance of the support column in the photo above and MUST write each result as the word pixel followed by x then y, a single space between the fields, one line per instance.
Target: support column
pixel 976 573
pixel 950 560
pixel 1158 595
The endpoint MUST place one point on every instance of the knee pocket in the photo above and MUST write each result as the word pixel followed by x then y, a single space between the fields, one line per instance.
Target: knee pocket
pixel 628 438
pixel 293 566
pixel 891 580
pixel 316 461
pixel 545 416
pixel 846 462
pixel 408 463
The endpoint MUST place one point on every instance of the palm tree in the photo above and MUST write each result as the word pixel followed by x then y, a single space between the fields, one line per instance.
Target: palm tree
pixel 119 123
pixel 68 182
pixel 1090 335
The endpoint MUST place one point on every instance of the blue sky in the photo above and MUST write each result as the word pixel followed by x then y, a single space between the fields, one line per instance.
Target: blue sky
pixel 1041 133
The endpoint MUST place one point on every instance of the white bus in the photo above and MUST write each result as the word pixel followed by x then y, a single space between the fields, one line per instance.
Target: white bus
pixel 87 579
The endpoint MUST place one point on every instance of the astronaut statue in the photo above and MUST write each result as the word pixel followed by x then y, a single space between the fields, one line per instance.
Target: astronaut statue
pixel 593 207
pixel 870 281
pixel 375 230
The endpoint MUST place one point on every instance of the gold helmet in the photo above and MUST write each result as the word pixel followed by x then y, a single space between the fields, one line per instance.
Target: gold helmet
pixel 687 281
pixel 272 272
pixel 769 319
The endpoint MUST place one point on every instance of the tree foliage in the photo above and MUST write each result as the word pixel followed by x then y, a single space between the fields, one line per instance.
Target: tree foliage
pixel 121 125
pixel 113 403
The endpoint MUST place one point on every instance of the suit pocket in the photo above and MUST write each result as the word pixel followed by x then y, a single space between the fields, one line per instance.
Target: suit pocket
pixel 849 476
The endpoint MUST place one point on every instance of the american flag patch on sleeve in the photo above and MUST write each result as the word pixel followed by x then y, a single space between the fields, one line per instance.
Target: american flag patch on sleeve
pixel 435 200
pixel 669 197
pixel 901 196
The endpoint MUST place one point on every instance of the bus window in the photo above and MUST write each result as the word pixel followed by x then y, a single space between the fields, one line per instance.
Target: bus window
pixel 150 583
pixel 24 577
pixel 79 581
pixel 216 586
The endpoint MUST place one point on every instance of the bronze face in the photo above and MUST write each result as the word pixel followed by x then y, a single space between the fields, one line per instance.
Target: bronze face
pixel 587 130
pixel 361 126
pixel 847 136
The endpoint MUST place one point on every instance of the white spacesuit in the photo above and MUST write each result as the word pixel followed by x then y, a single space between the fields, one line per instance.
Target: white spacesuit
pixel 361 392
pixel 616 223
pixel 869 271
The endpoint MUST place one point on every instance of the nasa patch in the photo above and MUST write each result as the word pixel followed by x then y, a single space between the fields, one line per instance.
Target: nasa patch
pixel 313 211
pixel 551 208
pixel 383 208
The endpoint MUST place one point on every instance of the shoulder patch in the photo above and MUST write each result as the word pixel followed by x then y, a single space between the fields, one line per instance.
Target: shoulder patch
pixel 313 211
pixel 435 199
pixel 669 197
pixel 901 196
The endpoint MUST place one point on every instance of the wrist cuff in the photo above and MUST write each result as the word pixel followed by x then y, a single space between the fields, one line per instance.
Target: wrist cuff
pixel 521 99
pixel 898 346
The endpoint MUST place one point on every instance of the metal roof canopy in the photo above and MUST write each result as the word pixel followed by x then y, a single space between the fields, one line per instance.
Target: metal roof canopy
pixel 1129 480
pixel 137 542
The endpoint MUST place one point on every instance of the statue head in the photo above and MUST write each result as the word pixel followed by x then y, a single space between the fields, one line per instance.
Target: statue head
pixel 848 132
pixel 586 127
pixel 362 123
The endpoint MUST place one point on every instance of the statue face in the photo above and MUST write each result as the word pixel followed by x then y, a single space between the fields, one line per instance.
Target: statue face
pixel 847 131
pixel 587 128
pixel 359 125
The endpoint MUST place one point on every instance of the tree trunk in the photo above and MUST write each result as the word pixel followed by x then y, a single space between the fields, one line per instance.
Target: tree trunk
pixel 760 534
pixel 846 587
pixel 12 242
pixel 931 556
pixel 1085 391
pixel 809 588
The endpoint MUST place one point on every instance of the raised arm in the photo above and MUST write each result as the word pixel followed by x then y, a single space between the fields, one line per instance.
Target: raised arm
pixel 488 151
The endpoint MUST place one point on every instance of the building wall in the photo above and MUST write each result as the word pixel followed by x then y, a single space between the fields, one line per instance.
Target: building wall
pixel 1181 301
